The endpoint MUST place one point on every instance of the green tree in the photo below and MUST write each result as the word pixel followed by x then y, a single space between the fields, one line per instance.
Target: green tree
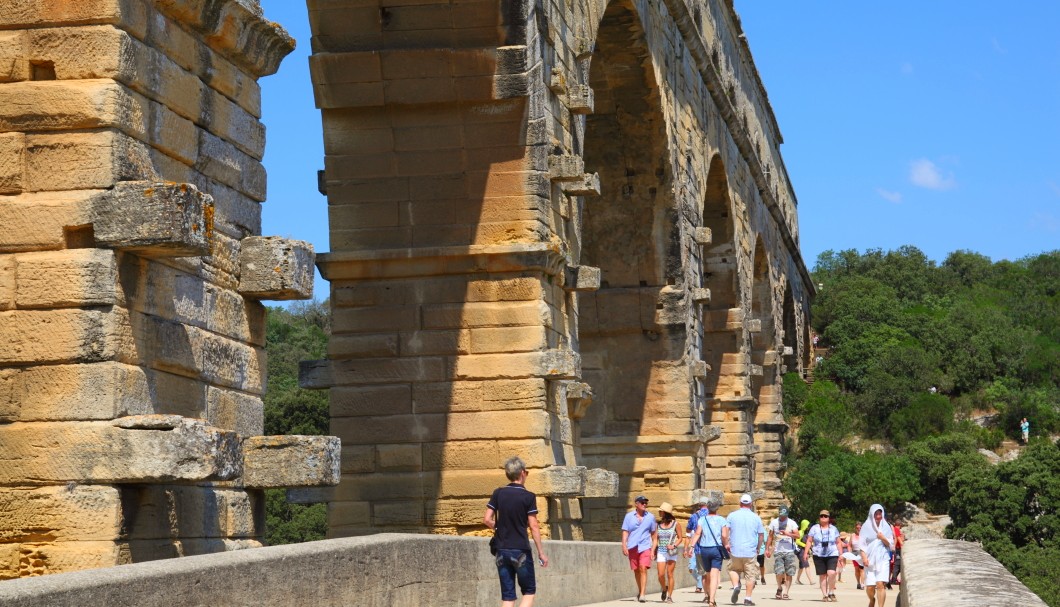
pixel 927 415
pixel 292 335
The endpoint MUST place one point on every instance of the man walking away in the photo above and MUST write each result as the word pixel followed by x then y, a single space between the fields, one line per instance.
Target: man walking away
pixel 781 546
pixel 1025 428
pixel 639 540
pixel 509 512
pixel 746 535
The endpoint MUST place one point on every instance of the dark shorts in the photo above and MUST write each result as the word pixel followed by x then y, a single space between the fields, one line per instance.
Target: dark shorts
pixel 513 565
pixel 824 564
pixel 710 558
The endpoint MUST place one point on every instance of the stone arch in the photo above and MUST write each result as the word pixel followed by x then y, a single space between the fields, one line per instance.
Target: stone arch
pixel 632 331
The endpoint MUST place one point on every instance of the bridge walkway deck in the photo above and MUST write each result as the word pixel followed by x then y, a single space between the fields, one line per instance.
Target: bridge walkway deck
pixel 846 592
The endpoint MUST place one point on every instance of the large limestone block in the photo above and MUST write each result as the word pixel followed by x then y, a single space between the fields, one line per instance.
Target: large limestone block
pixel 558 481
pixel 70 278
pixel 131 14
pixel 64 513
pixel 600 483
pixel 44 558
pixel 147 448
pixel 236 411
pixel 35 221
pixel 12 162
pixel 14 57
pixel 98 391
pixel 276 268
pixel 59 336
pixel 159 219
pixel 171 511
pixel 58 105
pixel 226 362
pixel 291 461
pixel 85 160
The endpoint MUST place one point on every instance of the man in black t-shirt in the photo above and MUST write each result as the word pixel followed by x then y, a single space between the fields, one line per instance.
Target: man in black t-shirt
pixel 510 511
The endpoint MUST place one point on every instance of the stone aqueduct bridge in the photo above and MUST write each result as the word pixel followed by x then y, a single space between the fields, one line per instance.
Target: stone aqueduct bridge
pixel 561 229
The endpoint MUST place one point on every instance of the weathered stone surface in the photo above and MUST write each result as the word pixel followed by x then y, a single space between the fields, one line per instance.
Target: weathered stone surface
pixel 12 163
pixel 276 268
pixel 601 483
pixel 65 513
pixel 71 278
pixel 98 391
pixel 130 450
pixel 923 561
pixel 158 219
pixel 581 278
pixel 291 461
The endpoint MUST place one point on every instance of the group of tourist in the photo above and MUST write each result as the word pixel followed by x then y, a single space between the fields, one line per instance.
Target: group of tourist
pixel 707 541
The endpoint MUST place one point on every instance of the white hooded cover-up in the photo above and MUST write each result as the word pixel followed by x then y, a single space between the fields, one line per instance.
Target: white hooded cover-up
pixel 877 551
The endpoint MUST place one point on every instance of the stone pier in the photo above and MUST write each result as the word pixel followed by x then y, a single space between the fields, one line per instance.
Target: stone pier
pixel 131 277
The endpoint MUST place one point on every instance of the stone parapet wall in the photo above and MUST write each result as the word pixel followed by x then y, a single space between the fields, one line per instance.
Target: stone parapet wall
pixel 953 573
pixel 374 571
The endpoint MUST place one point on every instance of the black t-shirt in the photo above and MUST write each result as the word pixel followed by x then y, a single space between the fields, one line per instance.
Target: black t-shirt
pixel 513 505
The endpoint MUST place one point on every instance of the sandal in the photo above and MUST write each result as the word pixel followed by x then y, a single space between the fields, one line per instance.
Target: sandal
pixel 779 593
pixel 785 598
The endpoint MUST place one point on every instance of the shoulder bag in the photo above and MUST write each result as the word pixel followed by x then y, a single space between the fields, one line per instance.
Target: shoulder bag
pixel 721 549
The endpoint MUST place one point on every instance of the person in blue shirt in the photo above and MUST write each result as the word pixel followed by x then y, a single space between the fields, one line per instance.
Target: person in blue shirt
pixel 747 534
pixel 693 556
pixel 640 538
pixel 712 533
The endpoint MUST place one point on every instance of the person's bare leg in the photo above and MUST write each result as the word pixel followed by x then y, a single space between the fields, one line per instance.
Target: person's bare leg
pixel 714 577
pixel 642 580
pixel 528 600
pixel 871 591
pixel 831 582
pixel 822 583
pixel 507 603
pixel 881 594
pixel 662 576
pixel 671 570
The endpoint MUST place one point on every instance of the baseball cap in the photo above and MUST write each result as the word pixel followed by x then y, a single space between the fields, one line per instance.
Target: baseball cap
pixel 641 498
pixel 746 498
pixel 782 511
pixel 824 513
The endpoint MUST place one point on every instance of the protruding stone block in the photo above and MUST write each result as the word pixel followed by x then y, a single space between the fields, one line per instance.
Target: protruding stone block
pixel 566 167
pixel 756 371
pixel 702 236
pixel 155 219
pixel 310 495
pixel 588 185
pixel 143 448
pixel 580 99
pixel 600 483
pixel 754 325
pixel 581 278
pixel 714 495
pixel 291 461
pixel 699 369
pixel 276 268
pixel 579 397
pixel 556 481
pixel 701 296
pixel 789 351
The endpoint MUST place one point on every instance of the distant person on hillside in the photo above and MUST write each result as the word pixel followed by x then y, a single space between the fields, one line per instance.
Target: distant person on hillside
pixel 640 539
pixel 710 538
pixel 1025 428
pixel 804 554
pixel 782 535
pixel 746 536
pixel 877 542
pixel 669 547
pixel 823 544
pixel 509 512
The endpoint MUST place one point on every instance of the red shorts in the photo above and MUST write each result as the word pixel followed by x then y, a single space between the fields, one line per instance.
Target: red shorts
pixel 638 560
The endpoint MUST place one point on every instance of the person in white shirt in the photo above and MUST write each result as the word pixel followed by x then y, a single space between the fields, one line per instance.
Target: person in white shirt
pixel 781 546
pixel 823 543
pixel 877 542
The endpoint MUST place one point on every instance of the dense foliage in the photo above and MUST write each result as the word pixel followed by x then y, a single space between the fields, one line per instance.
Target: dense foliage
pixel 294 334
pixel 915 350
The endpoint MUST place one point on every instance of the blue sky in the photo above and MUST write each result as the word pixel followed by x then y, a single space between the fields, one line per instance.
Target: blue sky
pixel 935 124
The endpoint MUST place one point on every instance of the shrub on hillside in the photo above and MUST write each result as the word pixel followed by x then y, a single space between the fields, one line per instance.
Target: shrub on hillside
pixel 828 415
pixel 795 392
pixel 936 459
pixel 927 415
